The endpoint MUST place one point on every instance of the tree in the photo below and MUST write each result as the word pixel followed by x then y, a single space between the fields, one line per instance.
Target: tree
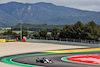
pixel 79 24
pixel 79 30
pixel 54 33
pixel 14 35
pixel 24 33
pixel 88 31
pixel 5 33
pixel 0 34
pixel 9 32
pixel 67 32
pixel 43 33
pixel 93 31
pixel 36 35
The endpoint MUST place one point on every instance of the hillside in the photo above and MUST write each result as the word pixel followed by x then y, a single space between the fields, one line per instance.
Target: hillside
pixel 13 13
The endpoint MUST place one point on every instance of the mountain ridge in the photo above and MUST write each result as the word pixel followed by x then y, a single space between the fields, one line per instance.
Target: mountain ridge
pixel 13 13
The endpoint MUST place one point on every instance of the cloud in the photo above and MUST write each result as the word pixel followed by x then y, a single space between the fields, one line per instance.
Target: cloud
pixel 90 8
pixel 92 5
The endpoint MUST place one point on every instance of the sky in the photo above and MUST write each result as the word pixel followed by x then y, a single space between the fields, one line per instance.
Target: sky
pixel 91 5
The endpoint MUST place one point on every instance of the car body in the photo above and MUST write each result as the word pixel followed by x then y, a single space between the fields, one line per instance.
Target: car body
pixel 43 60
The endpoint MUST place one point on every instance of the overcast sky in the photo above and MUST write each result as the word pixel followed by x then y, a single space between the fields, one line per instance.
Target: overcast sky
pixel 91 5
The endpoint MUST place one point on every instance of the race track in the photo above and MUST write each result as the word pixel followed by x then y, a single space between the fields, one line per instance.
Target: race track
pixel 29 60
pixel 56 58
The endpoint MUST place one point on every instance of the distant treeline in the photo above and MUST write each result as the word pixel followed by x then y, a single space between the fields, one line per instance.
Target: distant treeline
pixel 37 27
pixel 89 31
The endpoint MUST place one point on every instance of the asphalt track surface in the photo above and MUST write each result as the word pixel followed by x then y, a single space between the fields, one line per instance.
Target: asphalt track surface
pixel 56 58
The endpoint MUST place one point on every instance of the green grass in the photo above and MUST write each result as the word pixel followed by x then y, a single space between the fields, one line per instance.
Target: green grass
pixel 49 33
pixel 2 31
pixel 16 32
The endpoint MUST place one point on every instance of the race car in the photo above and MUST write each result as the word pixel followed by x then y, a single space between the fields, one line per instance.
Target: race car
pixel 43 60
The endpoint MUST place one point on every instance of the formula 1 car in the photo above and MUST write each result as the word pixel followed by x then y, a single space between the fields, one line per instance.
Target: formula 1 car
pixel 43 60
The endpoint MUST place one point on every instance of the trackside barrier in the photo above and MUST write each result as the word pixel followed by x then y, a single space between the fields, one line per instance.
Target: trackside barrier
pixel 23 40
pixel 62 42
pixel 2 40
pixel 10 40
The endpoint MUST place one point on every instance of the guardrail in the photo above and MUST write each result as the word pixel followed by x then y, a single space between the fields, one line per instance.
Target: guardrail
pixel 63 42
